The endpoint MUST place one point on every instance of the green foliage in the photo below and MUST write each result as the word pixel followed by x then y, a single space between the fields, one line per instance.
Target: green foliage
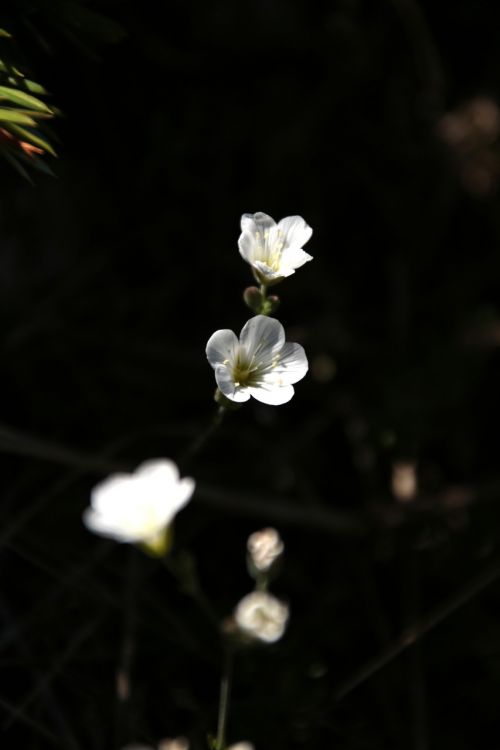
pixel 22 115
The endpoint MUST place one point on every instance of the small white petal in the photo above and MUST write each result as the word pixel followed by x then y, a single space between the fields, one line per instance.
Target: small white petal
pixel 103 526
pixel 292 365
pixel 258 222
pixel 228 387
pixel 221 347
pixel 274 396
pixel 158 470
pixel 296 231
pixel 247 246
pixel 268 274
pixel 294 257
pixel 262 338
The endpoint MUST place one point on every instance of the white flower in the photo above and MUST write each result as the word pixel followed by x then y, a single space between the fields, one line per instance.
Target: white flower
pixel 273 250
pixel 260 364
pixel 264 548
pixel 179 743
pixel 242 746
pixel 139 507
pixel 262 616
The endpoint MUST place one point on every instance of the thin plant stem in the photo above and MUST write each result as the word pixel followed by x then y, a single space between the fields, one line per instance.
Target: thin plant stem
pixel 123 672
pixel 225 689
pixel 197 445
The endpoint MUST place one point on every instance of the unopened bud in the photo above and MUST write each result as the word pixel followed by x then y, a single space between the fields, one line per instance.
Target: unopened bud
pixel 253 299
pixel 262 617
pixel 264 547
pixel 270 304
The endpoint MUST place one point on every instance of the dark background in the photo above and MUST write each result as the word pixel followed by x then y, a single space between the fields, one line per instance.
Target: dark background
pixel 377 122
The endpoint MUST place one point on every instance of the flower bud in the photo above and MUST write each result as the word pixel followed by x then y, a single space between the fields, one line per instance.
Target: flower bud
pixel 264 548
pixel 269 304
pixel 252 298
pixel 261 617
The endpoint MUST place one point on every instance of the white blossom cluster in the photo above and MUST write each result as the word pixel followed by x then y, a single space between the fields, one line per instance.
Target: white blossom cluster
pixel 260 363
pixel 139 507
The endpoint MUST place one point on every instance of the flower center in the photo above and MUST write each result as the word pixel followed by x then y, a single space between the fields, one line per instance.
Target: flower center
pixel 270 253
pixel 245 373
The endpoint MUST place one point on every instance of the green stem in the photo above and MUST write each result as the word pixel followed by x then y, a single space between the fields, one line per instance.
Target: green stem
pixel 200 441
pixel 225 687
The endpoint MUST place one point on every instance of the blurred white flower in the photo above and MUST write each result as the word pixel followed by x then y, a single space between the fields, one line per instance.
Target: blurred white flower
pixel 273 250
pixel 261 616
pixel 179 743
pixel 264 548
pixel 241 746
pixel 261 364
pixel 139 507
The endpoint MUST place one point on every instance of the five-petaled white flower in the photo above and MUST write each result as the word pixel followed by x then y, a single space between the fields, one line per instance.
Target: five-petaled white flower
pixel 139 507
pixel 273 250
pixel 261 616
pixel 261 364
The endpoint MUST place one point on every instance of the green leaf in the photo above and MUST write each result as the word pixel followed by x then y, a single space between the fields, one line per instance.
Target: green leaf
pixel 30 137
pixel 5 33
pixel 35 115
pixel 14 115
pixel 35 88
pixel 26 100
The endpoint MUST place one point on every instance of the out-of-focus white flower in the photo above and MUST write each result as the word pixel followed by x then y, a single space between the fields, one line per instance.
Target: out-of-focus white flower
pixel 242 746
pixel 179 743
pixel 139 507
pixel 404 480
pixel 261 364
pixel 261 616
pixel 264 548
pixel 273 250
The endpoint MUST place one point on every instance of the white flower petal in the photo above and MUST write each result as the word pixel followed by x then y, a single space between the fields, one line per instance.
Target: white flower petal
pixel 292 365
pixel 274 396
pixel 111 492
pixel 262 338
pixel 158 470
pixel 228 387
pixel 247 246
pixel 267 272
pixel 221 347
pixel 294 257
pixel 103 526
pixel 296 231
pixel 258 222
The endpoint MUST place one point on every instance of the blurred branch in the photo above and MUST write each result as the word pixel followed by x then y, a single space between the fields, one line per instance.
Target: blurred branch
pixel 414 633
